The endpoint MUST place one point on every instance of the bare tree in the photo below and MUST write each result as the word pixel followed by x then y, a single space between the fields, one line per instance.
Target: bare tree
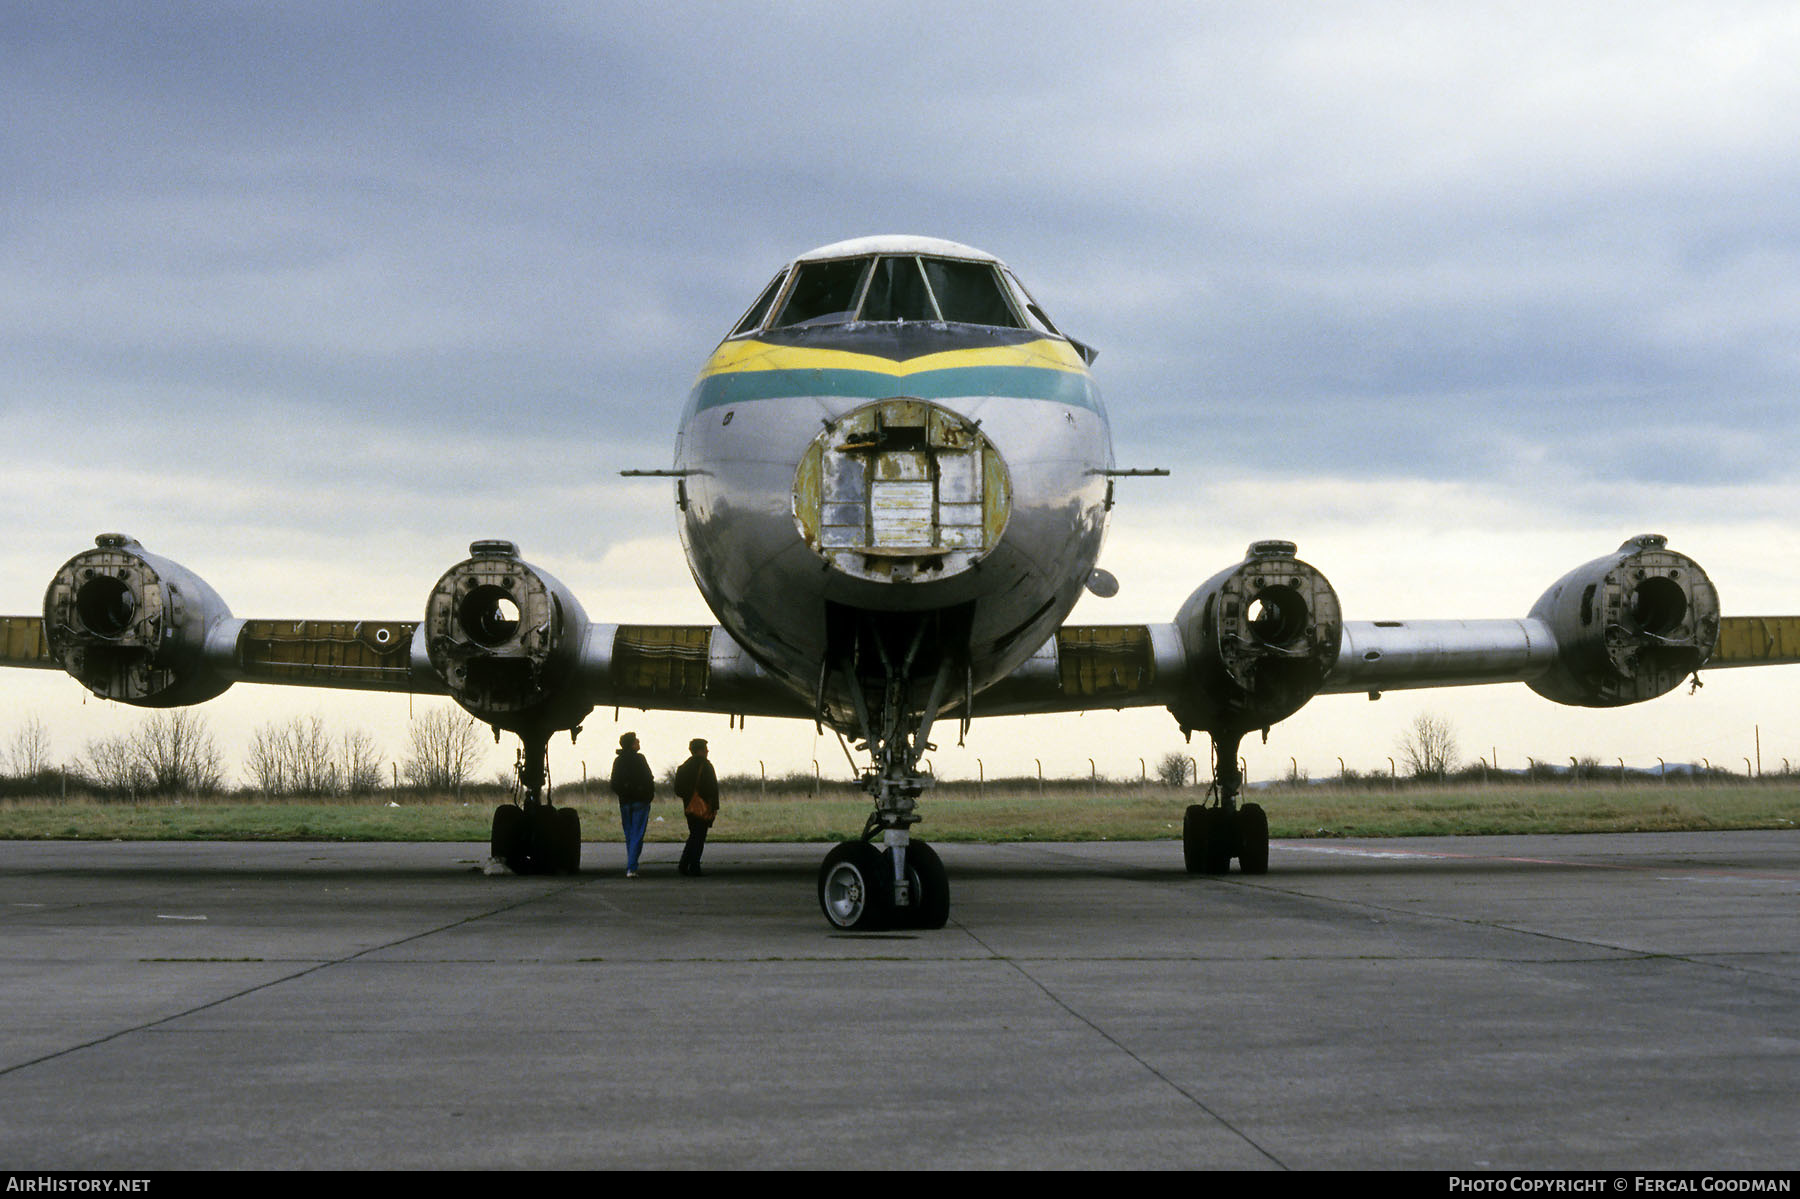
pixel 267 761
pixel 302 758
pixel 1429 747
pixel 296 758
pixel 359 763
pixel 1173 768
pixel 112 766
pixel 444 752
pixel 29 751
pixel 170 753
pixel 178 752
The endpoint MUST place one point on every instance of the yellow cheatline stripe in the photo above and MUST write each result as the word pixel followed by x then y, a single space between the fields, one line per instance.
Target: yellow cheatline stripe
pixel 752 355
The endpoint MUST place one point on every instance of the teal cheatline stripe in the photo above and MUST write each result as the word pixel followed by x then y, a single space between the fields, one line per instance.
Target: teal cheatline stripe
pixel 1032 383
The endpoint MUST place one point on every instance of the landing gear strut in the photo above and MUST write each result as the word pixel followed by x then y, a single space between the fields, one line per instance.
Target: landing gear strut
pixel 1213 834
pixel 533 836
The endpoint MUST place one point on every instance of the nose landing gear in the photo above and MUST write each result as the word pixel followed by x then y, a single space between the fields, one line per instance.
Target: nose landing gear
pixel 857 891
pixel 898 883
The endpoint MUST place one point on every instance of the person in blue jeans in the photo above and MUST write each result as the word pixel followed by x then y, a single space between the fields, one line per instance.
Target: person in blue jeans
pixel 635 785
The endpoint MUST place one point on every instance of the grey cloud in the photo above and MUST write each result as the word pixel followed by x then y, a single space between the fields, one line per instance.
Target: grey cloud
pixel 1333 238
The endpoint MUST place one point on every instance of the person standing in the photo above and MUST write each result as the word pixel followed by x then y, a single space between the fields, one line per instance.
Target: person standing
pixel 635 785
pixel 697 786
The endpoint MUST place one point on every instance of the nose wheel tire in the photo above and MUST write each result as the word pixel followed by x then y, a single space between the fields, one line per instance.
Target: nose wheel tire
pixel 856 887
pixel 929 883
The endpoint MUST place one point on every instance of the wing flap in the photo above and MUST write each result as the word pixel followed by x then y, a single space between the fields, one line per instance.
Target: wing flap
pixel 1757 641
pixel 1105 662
pixel 652 663
pixel 1091 667
pixel 22 643
pixel 362 655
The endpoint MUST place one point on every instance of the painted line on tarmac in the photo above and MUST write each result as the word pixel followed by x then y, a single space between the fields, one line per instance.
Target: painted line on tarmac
pixel 1402 854
pixel 1720 875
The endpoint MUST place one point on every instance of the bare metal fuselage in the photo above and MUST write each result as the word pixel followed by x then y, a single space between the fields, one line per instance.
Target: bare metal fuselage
pixel 772 572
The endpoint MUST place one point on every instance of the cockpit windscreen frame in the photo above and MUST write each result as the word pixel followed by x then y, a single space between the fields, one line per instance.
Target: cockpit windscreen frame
pixel 895 288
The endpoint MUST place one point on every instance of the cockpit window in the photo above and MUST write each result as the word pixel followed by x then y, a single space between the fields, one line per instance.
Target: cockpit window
pixel 897 293
pixel 969 292
pixel 1036 317
pixel 824 293
pixel 754 318
pixel 895 288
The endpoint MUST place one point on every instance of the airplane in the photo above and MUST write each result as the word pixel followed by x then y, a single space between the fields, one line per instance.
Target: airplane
pixel 893 478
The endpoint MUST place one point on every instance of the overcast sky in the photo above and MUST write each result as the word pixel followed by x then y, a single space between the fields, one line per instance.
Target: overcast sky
pixel 308 297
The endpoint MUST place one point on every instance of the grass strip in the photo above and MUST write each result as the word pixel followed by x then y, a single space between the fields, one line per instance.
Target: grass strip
pixel 1151 813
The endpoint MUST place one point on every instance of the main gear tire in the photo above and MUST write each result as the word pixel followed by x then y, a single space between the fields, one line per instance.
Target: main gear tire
pixel 1196 830
pixel 507 842
pixel 568 841
pixel 1253 839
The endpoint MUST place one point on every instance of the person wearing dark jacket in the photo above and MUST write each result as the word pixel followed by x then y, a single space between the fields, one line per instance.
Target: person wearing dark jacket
pixel 695 778
pixel 635 785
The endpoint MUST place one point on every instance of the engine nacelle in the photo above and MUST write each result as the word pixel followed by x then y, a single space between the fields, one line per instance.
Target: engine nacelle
pixel 1628 627
pixel 132 626
pixel 505 637
pixel 1259 640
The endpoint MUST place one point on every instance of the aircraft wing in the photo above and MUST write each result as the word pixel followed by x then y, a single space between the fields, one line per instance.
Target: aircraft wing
pixel 1257 641
pixel 1249 648
pixel 692 668
pixel 1089 667
pixel 508 641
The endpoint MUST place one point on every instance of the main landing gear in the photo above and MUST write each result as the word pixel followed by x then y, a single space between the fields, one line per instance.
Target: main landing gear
pixel 1213 834
pixel 535 837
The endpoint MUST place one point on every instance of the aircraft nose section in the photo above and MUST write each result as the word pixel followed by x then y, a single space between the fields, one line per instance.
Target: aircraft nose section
pixel 902 491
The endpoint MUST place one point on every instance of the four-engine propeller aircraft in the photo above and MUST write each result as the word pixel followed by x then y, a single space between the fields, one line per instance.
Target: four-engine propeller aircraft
pixel 893 477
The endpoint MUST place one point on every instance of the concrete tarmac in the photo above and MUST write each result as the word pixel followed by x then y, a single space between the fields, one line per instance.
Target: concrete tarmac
pixel 1602 1001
